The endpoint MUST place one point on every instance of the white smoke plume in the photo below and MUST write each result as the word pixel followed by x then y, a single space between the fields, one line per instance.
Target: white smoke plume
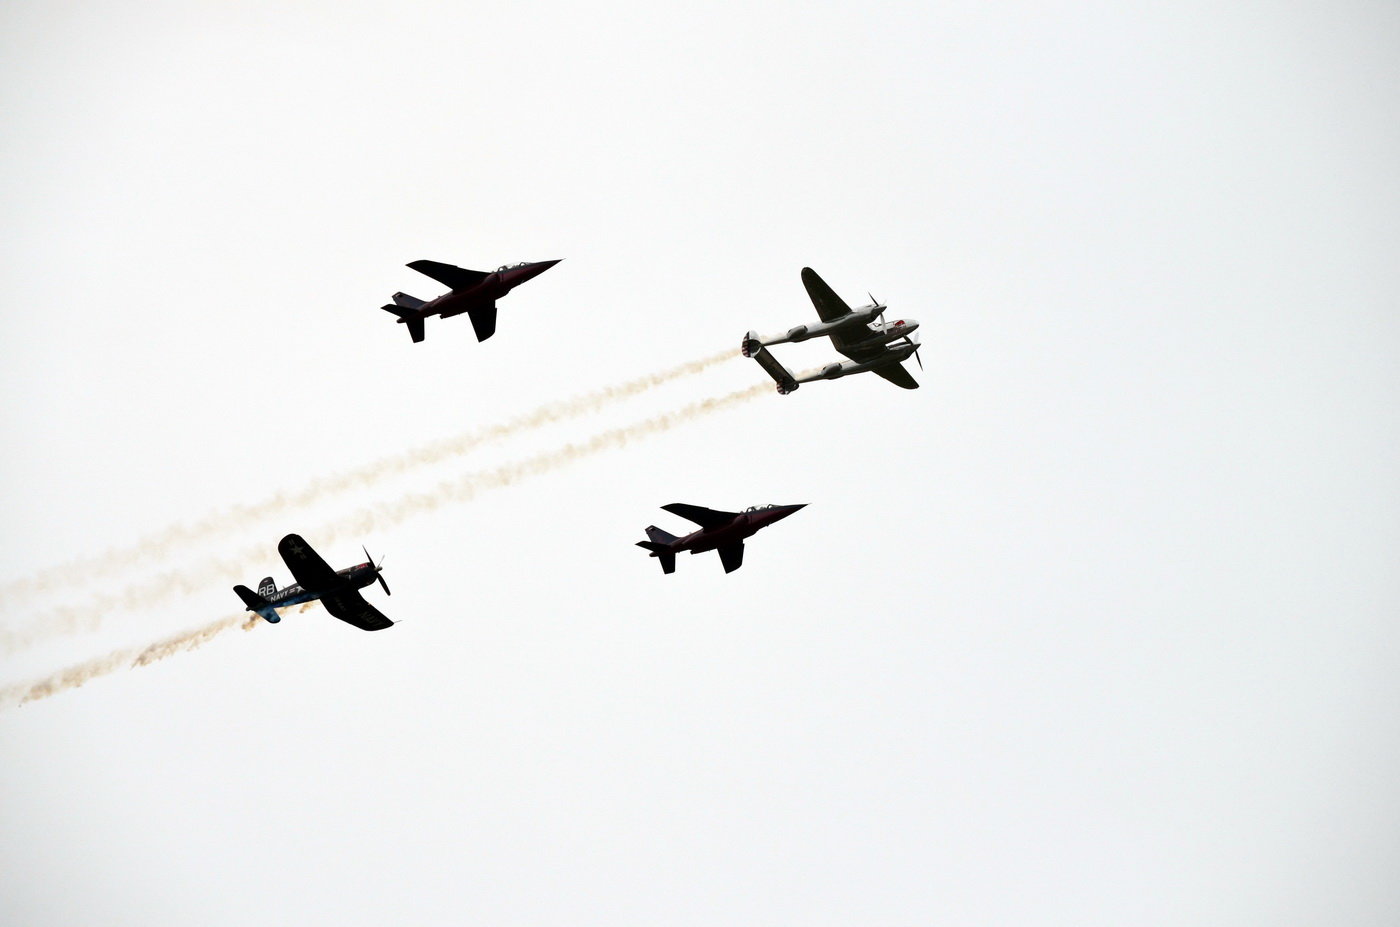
pixel 80 673
pixel 163 542
pixel 199 577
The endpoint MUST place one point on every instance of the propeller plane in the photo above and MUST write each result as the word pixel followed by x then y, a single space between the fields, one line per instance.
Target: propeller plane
pixel 338 590
pixel 863 335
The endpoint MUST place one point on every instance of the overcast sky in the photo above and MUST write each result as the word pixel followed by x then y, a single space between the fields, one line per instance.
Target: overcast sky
pixel 1096 627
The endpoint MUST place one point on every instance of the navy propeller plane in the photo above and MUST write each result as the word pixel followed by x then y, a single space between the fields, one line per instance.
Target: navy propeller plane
pixel 721 531
pixel 862 335
pixel 472 291
pixel 338 590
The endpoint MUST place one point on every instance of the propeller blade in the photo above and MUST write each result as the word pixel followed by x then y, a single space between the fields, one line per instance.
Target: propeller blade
pixel 378 569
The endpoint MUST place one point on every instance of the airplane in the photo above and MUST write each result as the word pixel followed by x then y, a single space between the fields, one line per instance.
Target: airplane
pixel 855 333
pixel 338 590
pixel 472 291
pixel 721 531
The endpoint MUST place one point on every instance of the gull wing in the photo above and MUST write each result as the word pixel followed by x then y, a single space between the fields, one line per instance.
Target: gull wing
pixel 313 573
pixel 457 278
pixel 350 607
pixel 705 518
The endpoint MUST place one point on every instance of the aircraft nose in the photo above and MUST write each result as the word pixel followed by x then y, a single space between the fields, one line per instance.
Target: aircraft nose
pixel 783 511
pixel 530 271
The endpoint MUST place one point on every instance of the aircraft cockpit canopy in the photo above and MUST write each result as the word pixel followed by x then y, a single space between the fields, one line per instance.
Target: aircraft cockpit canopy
pixel 761 508
pixel 505 267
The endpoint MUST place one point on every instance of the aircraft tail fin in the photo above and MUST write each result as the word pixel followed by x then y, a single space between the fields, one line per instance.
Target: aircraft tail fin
pixel 257 603
pixel 661 552
pixel 267 587
pixel 408 302
pixel 780 374
pixel 656 535
pixel 409 316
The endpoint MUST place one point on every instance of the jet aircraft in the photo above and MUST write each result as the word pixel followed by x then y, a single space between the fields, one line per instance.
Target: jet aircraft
pixel 862 335
pixel 338 590
pixel 472 291
pixel 721 531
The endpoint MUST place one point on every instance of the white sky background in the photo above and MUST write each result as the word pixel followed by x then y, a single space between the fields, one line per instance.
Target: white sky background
pixel 1098 627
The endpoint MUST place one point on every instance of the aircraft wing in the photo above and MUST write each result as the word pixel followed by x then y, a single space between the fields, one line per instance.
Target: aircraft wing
pixel 350 607
pixel 829 305
pixel 705 518
pixel 455 277
pixel 483 321
pixel 310 570
pixel 897 375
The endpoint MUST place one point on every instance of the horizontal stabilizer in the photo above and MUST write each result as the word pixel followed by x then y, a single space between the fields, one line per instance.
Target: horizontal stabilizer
pixel 409 317
pixel 780 374
pixel 663 553
pixel 257 603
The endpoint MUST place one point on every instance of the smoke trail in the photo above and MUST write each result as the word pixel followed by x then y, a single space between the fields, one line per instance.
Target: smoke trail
pixel 162 542
pixel 461 489
pixel 79 673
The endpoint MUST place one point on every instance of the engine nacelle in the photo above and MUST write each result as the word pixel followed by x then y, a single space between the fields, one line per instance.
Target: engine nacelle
pixel 798 333
pixel 832 372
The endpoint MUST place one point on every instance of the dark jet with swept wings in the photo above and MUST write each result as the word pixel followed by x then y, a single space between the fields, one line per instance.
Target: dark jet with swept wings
pixel 473 291
pixel 338 590
pixel 862 335
pixel 721 531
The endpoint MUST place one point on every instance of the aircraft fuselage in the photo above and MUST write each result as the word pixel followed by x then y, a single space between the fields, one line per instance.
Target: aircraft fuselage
pixel 491 288
pixel 746 525
pixel 355 577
